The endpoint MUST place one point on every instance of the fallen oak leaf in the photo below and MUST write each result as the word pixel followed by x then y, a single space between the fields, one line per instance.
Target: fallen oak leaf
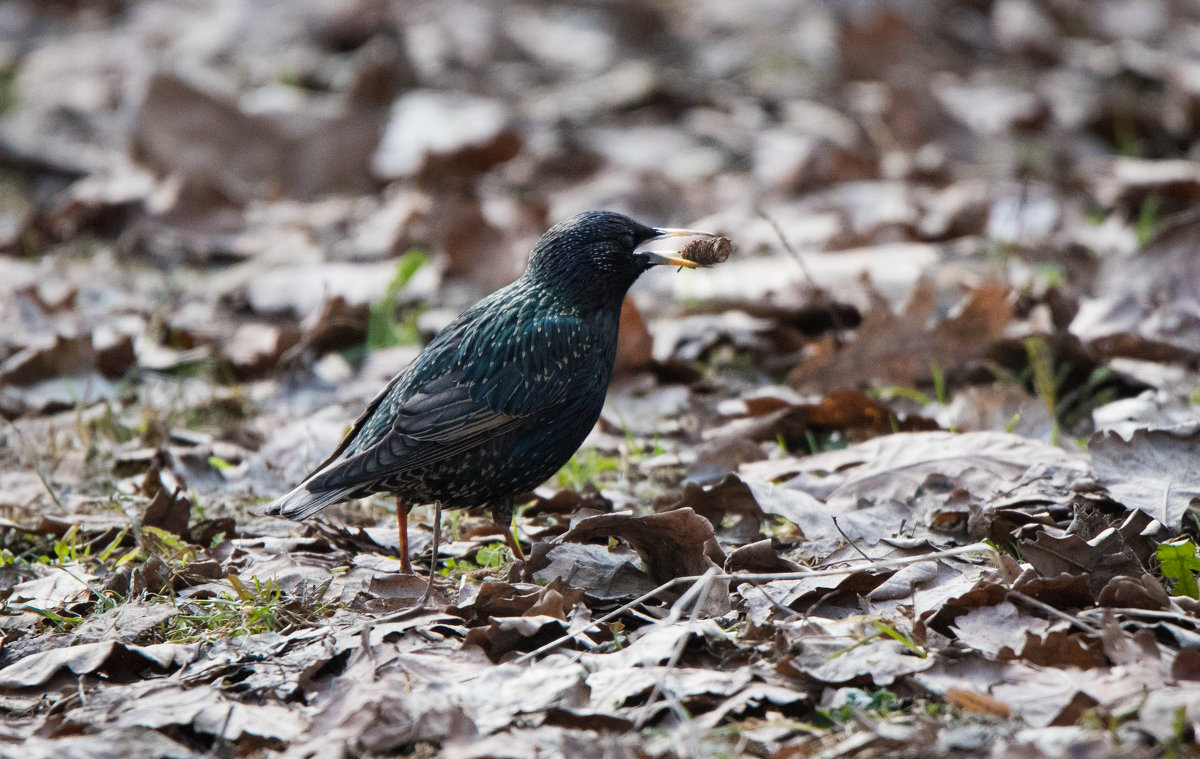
pixel 759 557
pixel 480 602
pixel 1059 648
pixel 1144 592
pixel 111 743
pixel 988 630
pixel 843 410
pixel 204 709
pixel 843 661
pixel 604 573
pixel 1102 558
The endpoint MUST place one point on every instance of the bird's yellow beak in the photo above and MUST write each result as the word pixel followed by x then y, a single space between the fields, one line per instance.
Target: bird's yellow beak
pixel 660 248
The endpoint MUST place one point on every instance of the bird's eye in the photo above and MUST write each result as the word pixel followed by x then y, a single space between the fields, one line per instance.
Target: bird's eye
pixel 627 241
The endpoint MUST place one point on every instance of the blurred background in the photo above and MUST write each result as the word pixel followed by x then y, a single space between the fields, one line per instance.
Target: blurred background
pixel 226 224
pixel 240 218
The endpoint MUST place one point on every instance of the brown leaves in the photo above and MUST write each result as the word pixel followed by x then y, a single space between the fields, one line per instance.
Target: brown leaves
pixel 938 216
pixel 846 411
pixel 900 349
pixel 213 146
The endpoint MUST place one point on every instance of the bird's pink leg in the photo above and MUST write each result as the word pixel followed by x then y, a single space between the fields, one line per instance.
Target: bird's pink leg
pixel 402 510
pixel 510 539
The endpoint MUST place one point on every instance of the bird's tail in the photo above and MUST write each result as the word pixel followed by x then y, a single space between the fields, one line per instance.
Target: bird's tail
pixel 302 503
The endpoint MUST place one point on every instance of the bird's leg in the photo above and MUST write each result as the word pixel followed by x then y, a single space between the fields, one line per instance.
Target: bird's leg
pixel 502 515
pixel 402 510
pixel 433 558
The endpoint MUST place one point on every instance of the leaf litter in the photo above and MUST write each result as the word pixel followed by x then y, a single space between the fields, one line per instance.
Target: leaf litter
pixel 910 473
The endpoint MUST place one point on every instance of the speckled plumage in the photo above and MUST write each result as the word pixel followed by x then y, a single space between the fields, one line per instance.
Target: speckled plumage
pixel 505 394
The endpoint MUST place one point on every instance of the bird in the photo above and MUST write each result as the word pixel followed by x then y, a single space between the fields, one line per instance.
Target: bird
pixel 504 395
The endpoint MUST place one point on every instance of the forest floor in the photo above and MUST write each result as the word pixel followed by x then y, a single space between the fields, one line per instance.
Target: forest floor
pixel 913 474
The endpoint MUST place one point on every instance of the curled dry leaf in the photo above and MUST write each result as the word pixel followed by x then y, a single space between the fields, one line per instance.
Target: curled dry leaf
pixel 113 743
pixel 117 660
pixel 678 543
pixel 1057 648
pixel 847 411
pixel 216 147
pixel 759 557
pixel 381 714
pixel 989 629
pixel 1102 558
pixel 480 602
pixel 731 497
pixel 130 622
pixel 602 573
pixel 169 510
pixel 161 703
pixel 507 634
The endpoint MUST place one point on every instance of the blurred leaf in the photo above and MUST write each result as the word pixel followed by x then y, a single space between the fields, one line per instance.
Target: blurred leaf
pixel 492 555
pixel 384 330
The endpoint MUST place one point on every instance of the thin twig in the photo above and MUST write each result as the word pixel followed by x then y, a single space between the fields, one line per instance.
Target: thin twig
pixel 776 604
pixel 1166 616
pixel 1073 619
pixel 788 247
pixel 850 542
pixel 606 618
pixel 834 317
pixel 812 610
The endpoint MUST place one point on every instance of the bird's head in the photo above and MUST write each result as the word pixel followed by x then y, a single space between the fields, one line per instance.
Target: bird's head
pixel 595 256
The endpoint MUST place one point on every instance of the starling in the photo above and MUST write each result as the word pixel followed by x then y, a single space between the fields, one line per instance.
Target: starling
pixel 504 395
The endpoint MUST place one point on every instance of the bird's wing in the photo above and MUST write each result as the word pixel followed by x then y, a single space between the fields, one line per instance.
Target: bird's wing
pixel 497 379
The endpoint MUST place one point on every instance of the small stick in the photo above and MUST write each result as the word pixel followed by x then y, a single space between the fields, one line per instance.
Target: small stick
pixel 850 542
pixel 1087 626
pixel 834 318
